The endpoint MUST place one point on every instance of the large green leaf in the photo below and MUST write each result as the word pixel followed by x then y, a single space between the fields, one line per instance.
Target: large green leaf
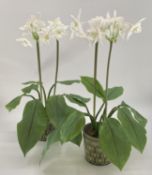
pixel 81 101
pixel 134 131
pixel 14 103
pixel 69 82
pixel 57 110
pixel 114 142
pixel 72 126
pixel 29 88
pixel 32 126
pixel 77 140
pixel 141 120
pixel 53 137
pixel 88 82
pixel 114 93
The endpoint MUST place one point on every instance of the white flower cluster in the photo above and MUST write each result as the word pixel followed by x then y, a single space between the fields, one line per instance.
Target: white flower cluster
pixel 94 30
pixel 37 29
pixel 99 28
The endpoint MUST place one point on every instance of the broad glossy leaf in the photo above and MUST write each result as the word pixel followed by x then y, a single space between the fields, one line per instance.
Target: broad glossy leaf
pixel 69 82
pixel 114 142
pixel 72 126
pixel 88 82
pixel 32 126
pixel 77 99
pixel 77 140
pixel 14 103
pixel 57 110
pixel 29 88
pixel 141 120
pixel 53 137
pixel 134 131
pixel 114 93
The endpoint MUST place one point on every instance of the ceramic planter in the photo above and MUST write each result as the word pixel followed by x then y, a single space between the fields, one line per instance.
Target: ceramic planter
pixel 93 152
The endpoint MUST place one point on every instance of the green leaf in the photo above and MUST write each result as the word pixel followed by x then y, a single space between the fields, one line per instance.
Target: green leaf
pixel 114 142
pixel 14 103
pixel 72 126
pixel 140 119
pixel 88 82
pixel 81 101
pixel 69 82
pixel 134 131
pixel 30 82
pixel 57 110
pixel 114 93
pixel 32 126
pixel 77 140
pixel 53 137
pixel 29 88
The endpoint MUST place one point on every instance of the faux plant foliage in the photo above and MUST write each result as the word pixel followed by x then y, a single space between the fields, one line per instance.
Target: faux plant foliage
pixel 68 122
pixel 77 99
pixel 114 93
pixel 14 103
pixel 69 82
pixel 114 142
pixel 117 136
pixel 88 82
pixel 134 131
pixel 32 126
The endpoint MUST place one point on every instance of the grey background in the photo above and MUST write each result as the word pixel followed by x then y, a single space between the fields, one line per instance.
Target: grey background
pixel 131 67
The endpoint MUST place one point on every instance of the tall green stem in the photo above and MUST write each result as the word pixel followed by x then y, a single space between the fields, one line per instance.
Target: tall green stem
pixel 57 65
pixel 39 67
pixel 95 78
pixel 107 77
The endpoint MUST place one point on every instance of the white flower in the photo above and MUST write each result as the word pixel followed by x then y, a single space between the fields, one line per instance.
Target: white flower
pixel 25 42
pixel 57 29
pixel 137 28
pixel 33 29
pixel 76 27
pixel 34 26
pixel 94 33
pixel 114 27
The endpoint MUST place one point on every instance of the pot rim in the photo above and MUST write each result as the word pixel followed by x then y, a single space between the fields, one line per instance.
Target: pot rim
pixel 86 135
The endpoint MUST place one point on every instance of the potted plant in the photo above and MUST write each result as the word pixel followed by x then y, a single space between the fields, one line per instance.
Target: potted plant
pixel 35 124
pixel 109 136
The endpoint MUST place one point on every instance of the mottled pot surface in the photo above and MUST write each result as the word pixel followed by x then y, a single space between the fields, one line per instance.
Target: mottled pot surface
pixel 93 152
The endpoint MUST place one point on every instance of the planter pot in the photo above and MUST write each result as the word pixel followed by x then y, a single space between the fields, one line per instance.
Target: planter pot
pixel 93 152
pixel 49 129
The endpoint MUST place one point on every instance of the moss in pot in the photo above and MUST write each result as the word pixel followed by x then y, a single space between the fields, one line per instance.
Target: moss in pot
pixel 111 132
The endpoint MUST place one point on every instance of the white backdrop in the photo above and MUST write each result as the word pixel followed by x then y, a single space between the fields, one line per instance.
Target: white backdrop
pixel 131 67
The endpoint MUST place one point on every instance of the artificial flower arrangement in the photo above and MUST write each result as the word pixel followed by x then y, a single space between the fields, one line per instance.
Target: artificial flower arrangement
pixel 109 136
pixel 35 124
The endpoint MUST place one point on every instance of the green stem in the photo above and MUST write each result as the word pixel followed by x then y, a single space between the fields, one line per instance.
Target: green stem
pixel 30 96
pixel 100 109
pixel 107 78
pixel 39 67
pixel 50 90
pixel 57 65
pixel 44 93
pixel 95 78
